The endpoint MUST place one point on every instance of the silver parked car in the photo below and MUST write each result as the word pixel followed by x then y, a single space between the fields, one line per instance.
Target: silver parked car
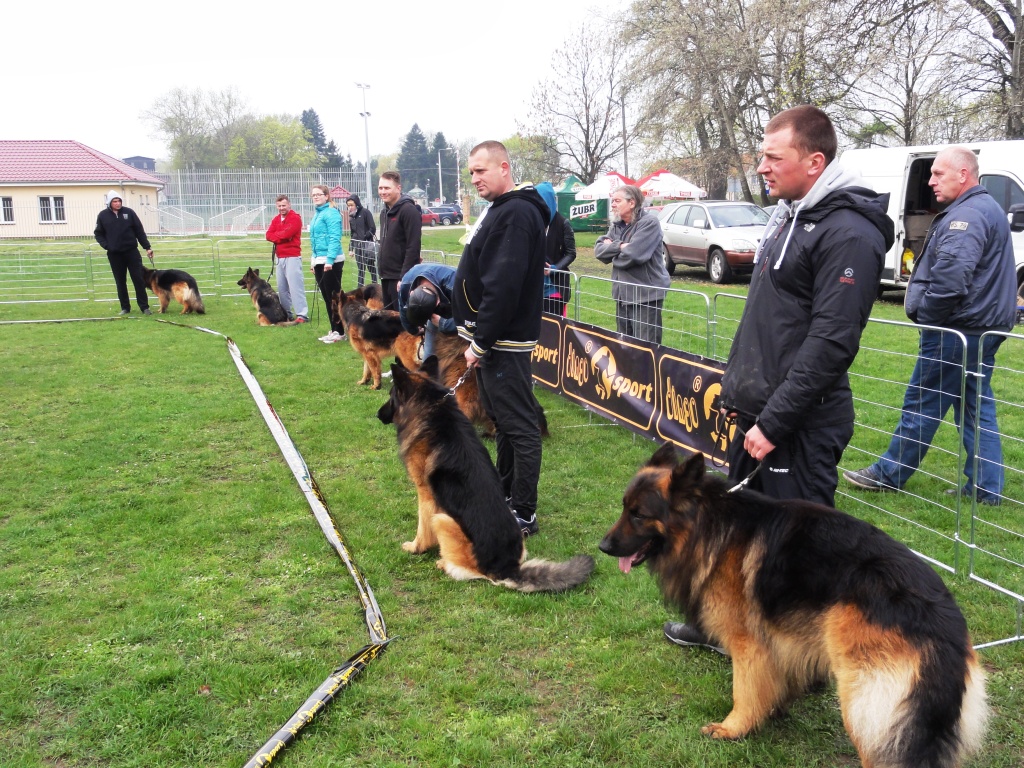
pixel 719 235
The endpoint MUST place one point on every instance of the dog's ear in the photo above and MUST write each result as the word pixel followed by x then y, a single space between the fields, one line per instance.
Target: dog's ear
pixel 255 272
pixel 431 367
pixel 689 473
pixel 664 457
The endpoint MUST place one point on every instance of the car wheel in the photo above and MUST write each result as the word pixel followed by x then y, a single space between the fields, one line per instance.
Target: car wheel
pixel 446 221
pixel 433 222
pixel 670 265
pixel 718 266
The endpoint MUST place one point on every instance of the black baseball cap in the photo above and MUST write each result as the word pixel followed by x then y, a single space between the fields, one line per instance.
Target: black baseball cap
pixel 422 304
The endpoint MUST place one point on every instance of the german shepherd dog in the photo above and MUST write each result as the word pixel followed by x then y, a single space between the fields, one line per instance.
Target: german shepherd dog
pixel 796 591
pixel 269 310
pixel 168 283
pixel 462 506
pixel 375 334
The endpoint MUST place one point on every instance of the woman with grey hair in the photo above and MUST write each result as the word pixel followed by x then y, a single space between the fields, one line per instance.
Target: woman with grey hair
pixel 633 248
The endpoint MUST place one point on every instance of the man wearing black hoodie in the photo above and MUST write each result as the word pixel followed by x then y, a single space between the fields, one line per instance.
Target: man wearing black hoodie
pixel 497 307
pixel 119 232
pixel 816 272
pixel 401 227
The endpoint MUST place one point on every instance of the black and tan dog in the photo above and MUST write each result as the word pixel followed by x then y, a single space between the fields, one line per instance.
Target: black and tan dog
pixel 461 504
pixel 168 283
pixel 375 334
pixel 269 310
pixel 795 592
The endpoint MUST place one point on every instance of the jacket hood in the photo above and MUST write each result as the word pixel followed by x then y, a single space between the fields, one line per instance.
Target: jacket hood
pixel 547 193
pixel 837 187
pixel 404 199
pixel 111 195
pixel 529 193
pixel 355 199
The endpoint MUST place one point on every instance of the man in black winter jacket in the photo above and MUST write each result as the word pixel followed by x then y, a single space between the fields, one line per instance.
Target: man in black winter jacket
pixel 119 232
pixel 401 229
pixel 497 308
pixel 815 279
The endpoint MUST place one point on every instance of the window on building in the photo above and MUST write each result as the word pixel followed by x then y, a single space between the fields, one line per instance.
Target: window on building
pixel 7 204
pixel 51 210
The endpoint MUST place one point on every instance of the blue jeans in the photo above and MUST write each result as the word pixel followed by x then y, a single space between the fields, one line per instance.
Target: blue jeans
pixel 934 388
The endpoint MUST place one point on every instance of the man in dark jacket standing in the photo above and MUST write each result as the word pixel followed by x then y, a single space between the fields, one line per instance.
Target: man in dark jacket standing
pixel 964 281
pixel 497 307
pixel 119 232
pixel 401 227
pixel 816 273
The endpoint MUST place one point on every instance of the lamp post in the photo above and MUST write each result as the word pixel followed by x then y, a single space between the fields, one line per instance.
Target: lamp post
pixel 366 128
pixel 440 183
pixel 458 172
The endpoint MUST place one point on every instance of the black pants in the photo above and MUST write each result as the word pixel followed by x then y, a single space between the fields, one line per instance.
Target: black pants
pixel 122 264
pixel 366 260
pixel 506 391
pixel 802 467
pixel 329 281
pixel 389 288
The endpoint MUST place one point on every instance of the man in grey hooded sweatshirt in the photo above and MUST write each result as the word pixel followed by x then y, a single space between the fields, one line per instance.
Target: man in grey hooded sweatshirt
pixel 815 279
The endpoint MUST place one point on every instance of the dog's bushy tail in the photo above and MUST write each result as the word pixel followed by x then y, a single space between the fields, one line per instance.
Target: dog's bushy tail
pixel 544 576
pixel 194 301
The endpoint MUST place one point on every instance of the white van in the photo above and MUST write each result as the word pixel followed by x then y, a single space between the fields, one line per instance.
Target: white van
pixel 903 172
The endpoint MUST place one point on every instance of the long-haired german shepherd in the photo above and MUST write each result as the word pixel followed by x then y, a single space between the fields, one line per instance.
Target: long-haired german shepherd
pixel 796 591
pixel 375 334
pixel 176 283
pixel 462 506
pixel 269 310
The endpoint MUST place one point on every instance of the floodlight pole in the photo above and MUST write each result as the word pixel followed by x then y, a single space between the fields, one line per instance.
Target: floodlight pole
pixel 440 183
pixel 366 129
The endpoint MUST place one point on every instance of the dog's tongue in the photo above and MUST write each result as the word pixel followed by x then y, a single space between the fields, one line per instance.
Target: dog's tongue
pixel 626 564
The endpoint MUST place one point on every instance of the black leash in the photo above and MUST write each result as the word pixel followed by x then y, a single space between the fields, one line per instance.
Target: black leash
pixel 273 260
pixel 727 421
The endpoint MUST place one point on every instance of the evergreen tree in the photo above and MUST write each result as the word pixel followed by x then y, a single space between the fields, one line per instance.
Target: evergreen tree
pixel 332 156
pixel 414 160
pixel 439 152
pixel 311 122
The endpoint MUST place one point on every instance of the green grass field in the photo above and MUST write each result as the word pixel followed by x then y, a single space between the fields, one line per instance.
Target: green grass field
pixel 168 599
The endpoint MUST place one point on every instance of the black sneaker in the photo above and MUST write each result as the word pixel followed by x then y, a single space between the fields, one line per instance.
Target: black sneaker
pixel 687 636
pixel 124 312
pixel 867 480
pixel 147 311
pixel 528 527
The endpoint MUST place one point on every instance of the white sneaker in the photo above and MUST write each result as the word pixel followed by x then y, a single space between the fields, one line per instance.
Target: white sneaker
pixel 332 337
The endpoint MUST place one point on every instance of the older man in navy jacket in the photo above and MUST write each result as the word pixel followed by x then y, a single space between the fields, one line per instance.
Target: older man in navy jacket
pixel 964 281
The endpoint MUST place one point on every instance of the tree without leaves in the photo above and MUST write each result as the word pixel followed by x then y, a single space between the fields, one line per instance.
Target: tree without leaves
pixel 924 89
pixel 1002 59
pixel 578 113
pixel 533 158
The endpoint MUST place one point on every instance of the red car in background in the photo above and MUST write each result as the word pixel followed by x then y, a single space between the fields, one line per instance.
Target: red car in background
pixel 430 218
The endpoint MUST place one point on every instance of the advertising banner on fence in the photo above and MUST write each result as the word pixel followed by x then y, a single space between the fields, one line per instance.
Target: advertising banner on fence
pixel 656 391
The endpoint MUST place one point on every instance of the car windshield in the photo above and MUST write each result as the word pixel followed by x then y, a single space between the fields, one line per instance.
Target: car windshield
pixel 737 216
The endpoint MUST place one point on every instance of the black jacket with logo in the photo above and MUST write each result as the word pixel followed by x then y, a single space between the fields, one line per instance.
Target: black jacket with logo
pixel 401 229
pixel 121 231
pixel 814 283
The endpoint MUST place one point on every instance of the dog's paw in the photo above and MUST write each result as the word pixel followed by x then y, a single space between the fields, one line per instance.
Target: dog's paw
pixel 414 547
pixel 376 385
pixel 719 731
pixel 441 565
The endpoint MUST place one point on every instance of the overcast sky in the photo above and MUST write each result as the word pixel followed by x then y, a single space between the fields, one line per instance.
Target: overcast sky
pixel 87 71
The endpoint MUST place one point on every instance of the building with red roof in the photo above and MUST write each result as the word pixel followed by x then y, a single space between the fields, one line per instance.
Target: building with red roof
pixel 56 188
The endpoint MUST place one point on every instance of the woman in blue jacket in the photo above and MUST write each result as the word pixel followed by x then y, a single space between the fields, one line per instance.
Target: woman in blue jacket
pixel 328 260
